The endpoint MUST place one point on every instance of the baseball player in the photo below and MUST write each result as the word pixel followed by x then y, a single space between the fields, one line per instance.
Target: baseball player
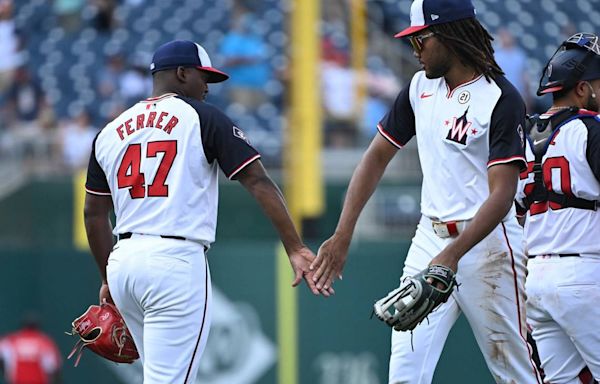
pixel 467 119
pixel 157 165
pixel 560 191
pixel 29 355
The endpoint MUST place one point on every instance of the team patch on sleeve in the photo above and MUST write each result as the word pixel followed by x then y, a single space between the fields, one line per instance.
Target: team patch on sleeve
pixel 521 133
pixel 223 140
pixel 240 134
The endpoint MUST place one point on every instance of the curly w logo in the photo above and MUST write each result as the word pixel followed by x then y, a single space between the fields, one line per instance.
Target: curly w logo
pixel 458 131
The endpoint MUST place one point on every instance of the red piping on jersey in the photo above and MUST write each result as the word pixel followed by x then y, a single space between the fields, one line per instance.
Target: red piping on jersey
pixel 93 192
pixel 159 97
pixel 388 137
pixel 506 160
pixel 580 112
pixel 586 112
pixel 187 375
pixel 512 263
pixel 451 91
pixel 244 164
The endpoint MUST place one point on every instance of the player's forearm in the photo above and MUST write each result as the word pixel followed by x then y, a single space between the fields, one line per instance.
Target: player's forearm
pixel 364 181
pixel 489 215
pixel 100 238
pixel 272 202
pixel 491 212
pixel 256 181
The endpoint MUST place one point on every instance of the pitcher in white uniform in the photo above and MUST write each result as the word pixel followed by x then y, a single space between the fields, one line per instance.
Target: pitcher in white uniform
pixel 468 121
pixel 559 195
pixel 157 165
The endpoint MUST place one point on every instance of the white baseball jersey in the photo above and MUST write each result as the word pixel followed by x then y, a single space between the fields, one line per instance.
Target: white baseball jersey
pixel 460 133
pixel 159 159
pixel 571 166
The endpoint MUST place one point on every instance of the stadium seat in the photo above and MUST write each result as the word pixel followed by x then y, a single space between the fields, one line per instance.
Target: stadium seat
pixel 65 63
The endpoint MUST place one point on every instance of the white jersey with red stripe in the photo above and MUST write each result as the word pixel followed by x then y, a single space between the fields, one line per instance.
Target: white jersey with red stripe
pixel 562 243
pixel 158 160
pixel 571 166
pixel 460 134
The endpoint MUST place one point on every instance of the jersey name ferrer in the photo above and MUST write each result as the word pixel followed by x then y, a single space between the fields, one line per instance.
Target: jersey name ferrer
pixel 146 120
pixel 460 134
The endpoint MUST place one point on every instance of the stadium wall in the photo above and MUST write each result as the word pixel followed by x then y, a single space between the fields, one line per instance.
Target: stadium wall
pixel 338 342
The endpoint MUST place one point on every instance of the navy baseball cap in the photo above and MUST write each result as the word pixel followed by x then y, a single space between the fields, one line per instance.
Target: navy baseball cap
pixel 185 53
pixel 424 13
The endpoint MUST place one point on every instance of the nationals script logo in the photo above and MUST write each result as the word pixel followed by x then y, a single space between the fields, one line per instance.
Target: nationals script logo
pixel 458 130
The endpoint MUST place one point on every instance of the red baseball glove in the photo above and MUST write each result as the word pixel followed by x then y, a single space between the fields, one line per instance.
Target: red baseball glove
pixel 102 329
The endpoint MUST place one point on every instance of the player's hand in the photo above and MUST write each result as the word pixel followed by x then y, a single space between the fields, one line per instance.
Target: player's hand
pixel 104 294
pixel 300 261
pixel 447 259
pixel 330 261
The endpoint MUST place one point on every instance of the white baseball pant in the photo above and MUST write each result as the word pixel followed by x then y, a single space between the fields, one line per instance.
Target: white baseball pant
pixel 492 297
pixel 163 290
pixel 563 308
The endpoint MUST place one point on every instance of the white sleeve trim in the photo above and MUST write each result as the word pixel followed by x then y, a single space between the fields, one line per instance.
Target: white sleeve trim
pixel 98 193
pixel 244 165
pixel 388 137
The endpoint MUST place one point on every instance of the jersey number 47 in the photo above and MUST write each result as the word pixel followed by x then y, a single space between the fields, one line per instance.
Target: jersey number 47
pixel 130 175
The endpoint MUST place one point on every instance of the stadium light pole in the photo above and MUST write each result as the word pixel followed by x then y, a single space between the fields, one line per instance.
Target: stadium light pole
pixel 358 36
pixel 303 184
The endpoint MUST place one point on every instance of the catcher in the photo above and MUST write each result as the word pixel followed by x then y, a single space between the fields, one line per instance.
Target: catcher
pixel 102 330
pixel 559 196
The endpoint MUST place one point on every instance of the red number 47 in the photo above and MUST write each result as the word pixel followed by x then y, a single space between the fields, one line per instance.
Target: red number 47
pixel 130 176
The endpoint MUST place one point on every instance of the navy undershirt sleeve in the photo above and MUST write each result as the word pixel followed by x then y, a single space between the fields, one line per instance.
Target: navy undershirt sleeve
pixel 96 178
pixel 507 138
pixel 222 140
pixel 398 125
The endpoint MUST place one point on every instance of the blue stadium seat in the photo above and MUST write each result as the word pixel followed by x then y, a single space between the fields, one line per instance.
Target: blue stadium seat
pixel 66 64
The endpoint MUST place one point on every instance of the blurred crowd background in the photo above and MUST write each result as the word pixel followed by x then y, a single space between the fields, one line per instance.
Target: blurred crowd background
pixel 67 67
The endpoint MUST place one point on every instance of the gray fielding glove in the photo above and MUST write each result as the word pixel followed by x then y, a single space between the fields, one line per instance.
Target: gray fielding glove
pixel 415 299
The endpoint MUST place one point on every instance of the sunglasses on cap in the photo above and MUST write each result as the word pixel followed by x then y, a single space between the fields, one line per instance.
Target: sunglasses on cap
pixel 417 41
